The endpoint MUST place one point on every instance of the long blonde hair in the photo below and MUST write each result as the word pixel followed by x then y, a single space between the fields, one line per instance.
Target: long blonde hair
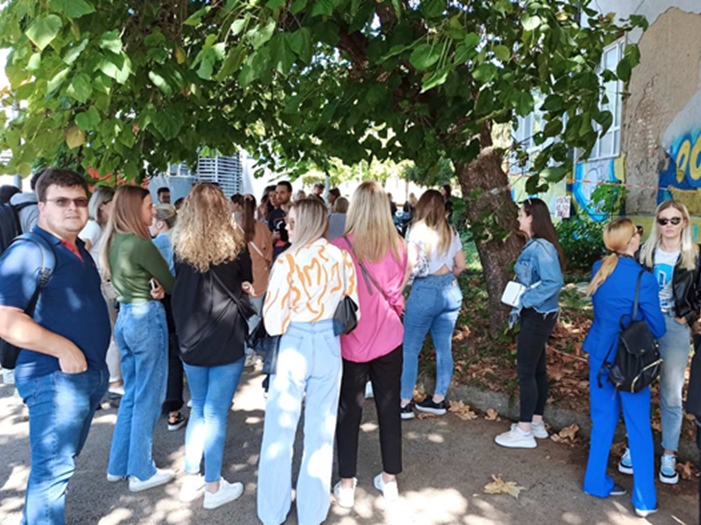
pixel 311 221
pixel 100 195
pixel 431 224
pixel 370 221
pixel 205 234
pixel 125 218
pixel 617 237
pixel 689 249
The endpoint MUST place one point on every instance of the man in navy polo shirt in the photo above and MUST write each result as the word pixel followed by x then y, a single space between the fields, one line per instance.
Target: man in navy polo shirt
pixel 61 372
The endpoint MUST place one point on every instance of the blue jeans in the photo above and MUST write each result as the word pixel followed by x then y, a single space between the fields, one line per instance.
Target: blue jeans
pixel 211 389
pixel 434 305
pixel 142 336
pixel 309 362
pixel 605 405
pixel 61 408
pixel 675 347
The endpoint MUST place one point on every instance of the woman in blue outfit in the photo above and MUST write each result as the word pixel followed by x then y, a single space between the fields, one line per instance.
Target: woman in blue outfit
pixel 613 289
pixel 539 269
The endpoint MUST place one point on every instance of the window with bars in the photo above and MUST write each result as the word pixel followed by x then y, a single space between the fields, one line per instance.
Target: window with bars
pixel 227 172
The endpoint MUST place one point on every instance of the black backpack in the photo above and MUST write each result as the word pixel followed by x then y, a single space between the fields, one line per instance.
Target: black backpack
pixel 638 362
pixel 10 225
pixel 8 352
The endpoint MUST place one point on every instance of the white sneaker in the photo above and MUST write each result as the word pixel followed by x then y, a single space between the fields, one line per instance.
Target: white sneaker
pixel 539 431
pixel 161 477
pixel 390 490
pixel 192 488
pixel 516 438
pixel 115 479
pixel 644 513
pixel 227 492
pixel 368 390
pixel 625 465
pixel 345 497
pixel 189 403
pixel 668 469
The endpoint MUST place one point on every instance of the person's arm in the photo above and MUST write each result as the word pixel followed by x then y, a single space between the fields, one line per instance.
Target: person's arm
pixel 276 310
pixel 459 264
pixel 20 330
pixel 649 305
pixel 412 256
pixel 548 266
pixel 90 234
pixel 153 262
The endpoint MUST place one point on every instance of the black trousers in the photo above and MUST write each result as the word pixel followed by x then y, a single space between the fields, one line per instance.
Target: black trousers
pixel 174 390
pixel 531 367
pixel 385 374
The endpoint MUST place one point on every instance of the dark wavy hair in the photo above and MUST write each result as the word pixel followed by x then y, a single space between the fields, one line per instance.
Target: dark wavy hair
pixel 542 225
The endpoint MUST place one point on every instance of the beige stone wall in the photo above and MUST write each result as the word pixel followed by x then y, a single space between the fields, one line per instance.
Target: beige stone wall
pixel 663 87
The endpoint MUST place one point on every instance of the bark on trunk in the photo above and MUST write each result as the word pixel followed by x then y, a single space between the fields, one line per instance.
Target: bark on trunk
pixel 485 178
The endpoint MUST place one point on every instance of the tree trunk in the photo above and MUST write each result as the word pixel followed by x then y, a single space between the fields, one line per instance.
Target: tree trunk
pixel 485 188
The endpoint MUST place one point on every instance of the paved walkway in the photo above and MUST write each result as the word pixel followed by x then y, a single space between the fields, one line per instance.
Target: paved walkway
pixel 447 463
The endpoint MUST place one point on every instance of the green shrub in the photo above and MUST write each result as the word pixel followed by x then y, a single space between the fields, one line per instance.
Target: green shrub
pixel 582 241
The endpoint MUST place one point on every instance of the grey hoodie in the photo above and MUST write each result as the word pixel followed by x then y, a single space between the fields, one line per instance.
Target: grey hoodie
pixel 29 214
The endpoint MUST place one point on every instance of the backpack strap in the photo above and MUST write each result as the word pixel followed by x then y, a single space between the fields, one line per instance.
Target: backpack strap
pixel 46 268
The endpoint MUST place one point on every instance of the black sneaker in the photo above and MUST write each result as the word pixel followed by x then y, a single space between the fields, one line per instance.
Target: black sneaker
pixel 407 411
pixel 428 405
pixel 178 423
pixel 618 491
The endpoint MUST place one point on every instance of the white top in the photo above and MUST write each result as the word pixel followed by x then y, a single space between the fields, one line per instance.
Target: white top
pixel 422 237
pixel 307 284
pixel 93 233
pixel 663 271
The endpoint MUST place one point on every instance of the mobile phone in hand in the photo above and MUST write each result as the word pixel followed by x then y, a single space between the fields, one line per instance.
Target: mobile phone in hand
pixel 154 284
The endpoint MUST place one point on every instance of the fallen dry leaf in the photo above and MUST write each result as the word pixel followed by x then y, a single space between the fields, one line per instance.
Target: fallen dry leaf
pixel 567 435
pixel 491 415
pixel 426 415
pixel 462 410
pixel 686 470
pixel 499 486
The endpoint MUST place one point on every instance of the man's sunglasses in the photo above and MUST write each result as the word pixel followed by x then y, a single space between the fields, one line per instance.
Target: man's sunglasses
pixel 64 202
pixel 674 220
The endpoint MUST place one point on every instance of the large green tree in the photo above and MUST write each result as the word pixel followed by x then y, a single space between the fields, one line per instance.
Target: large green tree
pixel 128 86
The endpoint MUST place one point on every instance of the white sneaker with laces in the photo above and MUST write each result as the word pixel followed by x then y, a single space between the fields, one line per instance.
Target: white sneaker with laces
pixel 625 465
pixel 227 492
pixel 516 438
pixel 644 513
pixel 389 490
pixel 668 469
pixel 161 477
pixel 345 497
pixel 192 488
pixel 539 431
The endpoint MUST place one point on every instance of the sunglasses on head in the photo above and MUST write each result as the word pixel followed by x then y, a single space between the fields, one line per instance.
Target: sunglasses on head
pixel 674 220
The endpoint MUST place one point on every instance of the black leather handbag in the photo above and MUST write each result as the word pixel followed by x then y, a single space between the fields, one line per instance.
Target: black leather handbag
pixel 265 345
pixel 345 318
pixel 637 363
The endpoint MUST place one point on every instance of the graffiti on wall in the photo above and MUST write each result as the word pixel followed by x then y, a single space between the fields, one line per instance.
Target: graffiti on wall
pixel 588 176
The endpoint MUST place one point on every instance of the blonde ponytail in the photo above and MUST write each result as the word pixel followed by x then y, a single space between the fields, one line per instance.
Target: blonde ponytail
pixel 607 267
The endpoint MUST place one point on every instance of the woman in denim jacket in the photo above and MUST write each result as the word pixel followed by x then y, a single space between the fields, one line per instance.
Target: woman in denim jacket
pixel 539 269
pixel 612 289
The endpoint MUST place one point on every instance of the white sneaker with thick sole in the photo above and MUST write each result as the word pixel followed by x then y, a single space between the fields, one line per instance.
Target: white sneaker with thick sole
pixel 668 469
pixel 625 465
pixel 115 479
pixel 644 513
pixel 516 438
pixel 345 497
pixel 192 488
pixel 539 431
pixel 227 493
pixel 161 477
pixel 390 490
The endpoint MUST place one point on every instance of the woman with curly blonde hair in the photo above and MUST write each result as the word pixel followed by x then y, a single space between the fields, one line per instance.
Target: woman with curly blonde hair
pixel 213 275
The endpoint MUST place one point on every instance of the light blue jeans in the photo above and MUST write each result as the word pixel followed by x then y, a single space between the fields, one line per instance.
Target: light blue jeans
pixel 142 336
pixel 309 363
pixel 61 408
pixel 212 389
pixel 434 305
pixel 675 347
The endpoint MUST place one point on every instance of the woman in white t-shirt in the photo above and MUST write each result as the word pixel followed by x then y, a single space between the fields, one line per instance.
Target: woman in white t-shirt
pixel 673 257
pixel 434 302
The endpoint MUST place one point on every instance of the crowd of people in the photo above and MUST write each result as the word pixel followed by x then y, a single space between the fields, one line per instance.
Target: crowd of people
pixel 139 297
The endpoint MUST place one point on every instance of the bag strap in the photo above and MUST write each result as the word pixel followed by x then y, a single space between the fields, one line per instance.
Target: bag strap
pixel 48 263
pixel 258 250
pixel 637 295
pixel 366 274
pixel 233 297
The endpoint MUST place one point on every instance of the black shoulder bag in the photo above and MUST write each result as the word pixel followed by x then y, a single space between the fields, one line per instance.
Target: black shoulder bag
pixel 638 362
pixel 345 318
pixel 243 305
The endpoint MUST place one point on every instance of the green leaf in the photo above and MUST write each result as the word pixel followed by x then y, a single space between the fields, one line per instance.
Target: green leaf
pixel 297 6
pixel 531 23
pixel 632 52
pixel 471 40
pixel 301 43
pixel 206 66
pixel 72 8
pixel 485 73
pixel 24 169
pixel 553 128
pixel 605 120
pixel 102 83
pixel 34 62
pixel 167 123
pixel 433 8
pixel 322 8
pixel 75 137
pixel 43 30
pixel 502 53
pixel 274 4
pixel 155 39
pixel 553 103
pixel 260 35
pixel 555 174
pixel 232 63
pixel 111 42
pixel 523 102
pixel 88 120
pixel 239 25
pixel 160 83
pixel 57 80
pixel 197 16
pixel 281 54
pixel 424 56
pixel 74 52
pixel 159 55
pixel 639 21
pixel 436 79
pixel 624 69
pixel 80 88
